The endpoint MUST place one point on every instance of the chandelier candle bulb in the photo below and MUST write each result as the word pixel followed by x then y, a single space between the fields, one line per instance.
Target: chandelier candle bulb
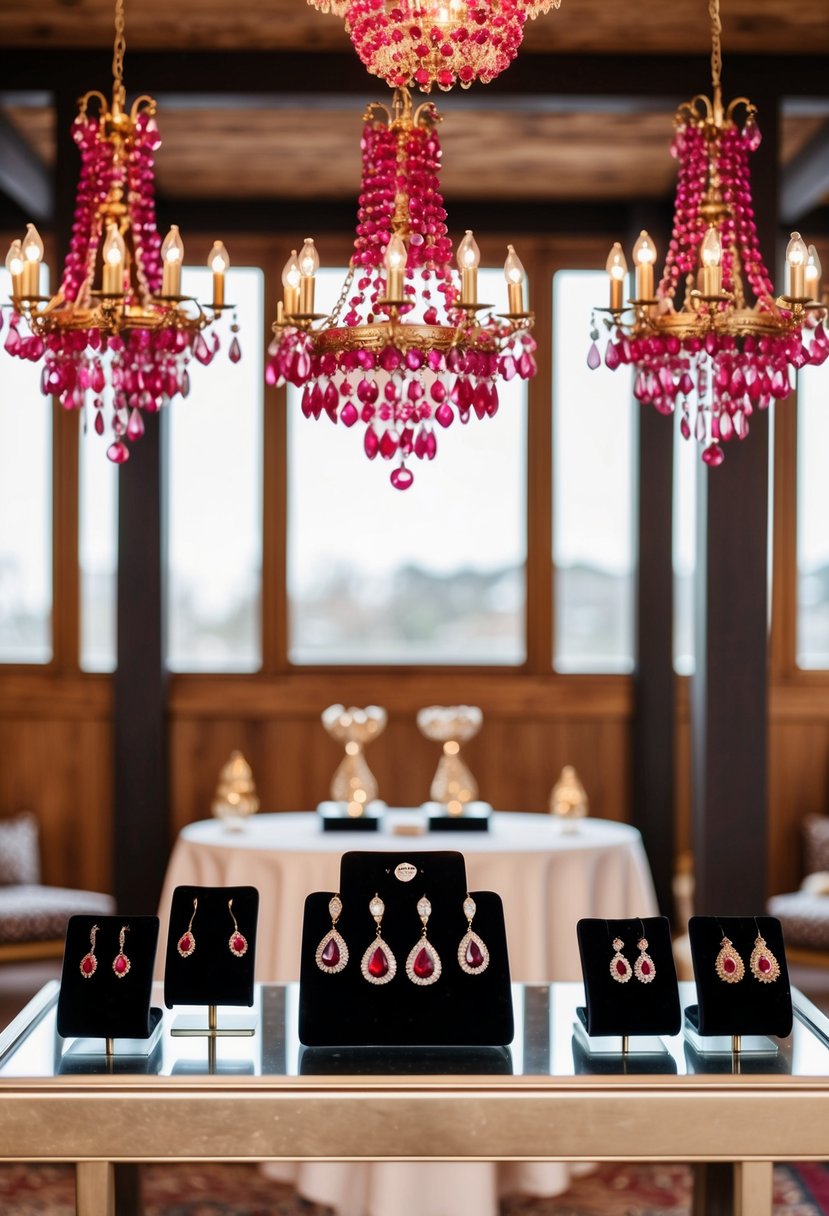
pixel 32 257
pixel 469 259
pixel 16 264
pixel 172 257
pixel 115 252
pixel 219 262
pixel 796 255
pixel 813 273
pixel 514 274
pixel 711 256
pixel 644 255
pixel 395 261
pixel 309 264
pixel 617 269
pixel 290 285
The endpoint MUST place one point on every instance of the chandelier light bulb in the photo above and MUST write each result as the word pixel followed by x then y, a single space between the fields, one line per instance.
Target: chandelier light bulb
pixel 309 264
pixel 469 259
pixel 469 255
pixel 291 279
pixel 644 256
pixel 218 261
pixel 515 276
pixel 32 257
pixel 711 257
pixel 813 273
pixel 617 267
pixel 395 259
pixel 15 264
pixel 172 257
pixel 32 244
pixel 309 259
pixel 114 254
pixel 796 257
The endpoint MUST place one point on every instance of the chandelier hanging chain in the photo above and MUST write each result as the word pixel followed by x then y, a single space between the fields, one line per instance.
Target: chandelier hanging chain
pixel 118 52
pixel 716 57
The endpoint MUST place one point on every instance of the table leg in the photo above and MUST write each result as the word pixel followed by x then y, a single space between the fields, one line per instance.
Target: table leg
pixel 94 1188
pixel 753 1188
pixel 713 1189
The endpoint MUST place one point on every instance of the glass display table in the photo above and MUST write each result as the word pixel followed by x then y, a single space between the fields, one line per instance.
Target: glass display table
pixel 547 1097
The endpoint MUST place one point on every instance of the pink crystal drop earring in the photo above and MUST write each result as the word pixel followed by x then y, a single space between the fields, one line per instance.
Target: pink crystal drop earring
pixel 332 952
pixel 121 964
pixel 473 955
pixel 89 963
pixel 620 968
pixel 764 966
pixel 238 942
pixel 644 968
pixel 187 943
pixel 378 964
pixel 423 966
pixel 728 964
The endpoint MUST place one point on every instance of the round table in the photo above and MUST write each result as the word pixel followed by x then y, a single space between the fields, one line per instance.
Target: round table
pixel 548 872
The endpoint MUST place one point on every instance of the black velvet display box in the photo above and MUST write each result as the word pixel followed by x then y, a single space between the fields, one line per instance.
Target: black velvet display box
pixel 748 1007
pixel 105 1005
pixel 475 818
pixel 334 817
pixel 632 1008
pixel 458 1010
pixel 211 975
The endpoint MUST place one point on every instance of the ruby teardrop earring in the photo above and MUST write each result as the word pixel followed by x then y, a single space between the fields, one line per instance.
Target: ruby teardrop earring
pixel 332 952
pixel 378 964
pixel 423 966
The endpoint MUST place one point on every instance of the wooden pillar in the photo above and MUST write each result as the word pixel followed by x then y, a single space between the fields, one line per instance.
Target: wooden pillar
pixel 653 684
pixel 729 687
pixel 141 836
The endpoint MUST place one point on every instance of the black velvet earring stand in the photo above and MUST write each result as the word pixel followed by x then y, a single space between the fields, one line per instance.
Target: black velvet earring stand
pixel 104 1005
pixel 458 1010
pixel 212 975
pixel 748 1007
pixel 334 817
pixel 632 1008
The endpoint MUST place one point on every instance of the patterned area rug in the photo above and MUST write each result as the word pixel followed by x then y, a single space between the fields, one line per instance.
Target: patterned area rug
pixel 240 1190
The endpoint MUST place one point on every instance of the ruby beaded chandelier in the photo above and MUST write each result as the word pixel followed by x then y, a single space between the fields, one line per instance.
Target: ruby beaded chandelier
pixel 421 43
pixel 696 343
pixel 118 330
pixel 406 345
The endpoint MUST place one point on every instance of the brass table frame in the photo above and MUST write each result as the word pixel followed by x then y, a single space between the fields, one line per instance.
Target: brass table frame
pixel 96 1121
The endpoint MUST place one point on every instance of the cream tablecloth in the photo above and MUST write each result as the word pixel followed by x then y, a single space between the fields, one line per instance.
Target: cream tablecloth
pixel 547 876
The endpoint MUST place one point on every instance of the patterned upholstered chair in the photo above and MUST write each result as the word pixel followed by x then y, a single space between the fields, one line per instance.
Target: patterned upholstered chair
pixel 33 917
pixel 804 914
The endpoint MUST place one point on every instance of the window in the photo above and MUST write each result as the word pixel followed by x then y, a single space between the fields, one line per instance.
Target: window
pixel 812 514
pixel 434 574
pixel 97 550
pixel 25 505
pixel 594 431
pixel 214 495
pixel 686 462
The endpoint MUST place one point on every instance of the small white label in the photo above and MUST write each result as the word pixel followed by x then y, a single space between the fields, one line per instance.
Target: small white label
pixel 405 872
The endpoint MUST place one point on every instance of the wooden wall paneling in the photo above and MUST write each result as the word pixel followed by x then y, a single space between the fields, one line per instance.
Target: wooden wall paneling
pixel 539 614
pixel 783 639
pixel 799 786
pixel 60 769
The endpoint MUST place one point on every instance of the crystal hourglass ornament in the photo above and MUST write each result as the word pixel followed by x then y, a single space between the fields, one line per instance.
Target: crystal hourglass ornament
pixel 353 785
pixel 568 799
pixel 453 785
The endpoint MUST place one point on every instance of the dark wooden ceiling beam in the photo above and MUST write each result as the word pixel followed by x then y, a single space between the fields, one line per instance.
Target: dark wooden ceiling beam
pixel 23 178
pixel 806 183
pixel 300 73
pixel 282 215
